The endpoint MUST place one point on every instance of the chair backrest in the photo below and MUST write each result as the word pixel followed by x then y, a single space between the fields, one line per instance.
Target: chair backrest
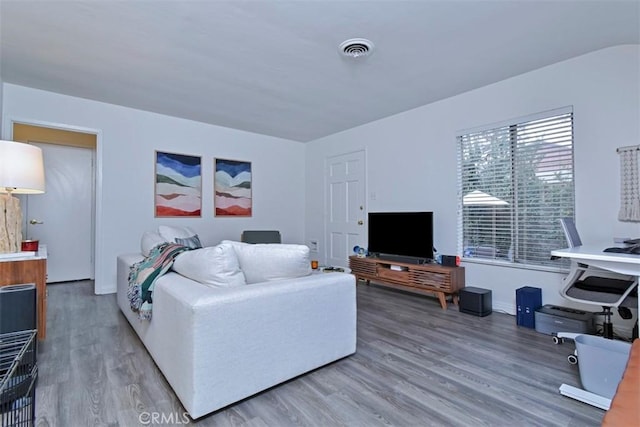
pixel 571 232
pixel 261 236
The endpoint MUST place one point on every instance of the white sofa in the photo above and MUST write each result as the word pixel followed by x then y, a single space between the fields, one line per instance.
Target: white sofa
pixel 218 345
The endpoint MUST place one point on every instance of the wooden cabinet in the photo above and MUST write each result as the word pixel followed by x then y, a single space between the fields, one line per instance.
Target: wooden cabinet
pixel 420 278
pixel 29 270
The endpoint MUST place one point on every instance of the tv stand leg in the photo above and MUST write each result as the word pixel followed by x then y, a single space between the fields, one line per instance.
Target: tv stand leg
pixel 442 299
pixel 455 299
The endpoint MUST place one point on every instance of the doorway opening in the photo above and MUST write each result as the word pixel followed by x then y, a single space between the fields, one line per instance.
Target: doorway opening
pixel 64 218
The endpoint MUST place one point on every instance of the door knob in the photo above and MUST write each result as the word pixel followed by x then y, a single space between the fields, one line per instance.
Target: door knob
pixel 360 222
pixel 35 221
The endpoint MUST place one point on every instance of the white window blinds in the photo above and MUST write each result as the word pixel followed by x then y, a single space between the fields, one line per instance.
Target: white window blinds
pixel 515 181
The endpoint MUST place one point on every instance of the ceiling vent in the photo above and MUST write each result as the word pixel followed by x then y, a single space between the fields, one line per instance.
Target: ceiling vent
pixel 356 48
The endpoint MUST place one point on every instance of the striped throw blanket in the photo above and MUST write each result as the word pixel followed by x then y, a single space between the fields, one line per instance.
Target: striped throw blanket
pixel 143 276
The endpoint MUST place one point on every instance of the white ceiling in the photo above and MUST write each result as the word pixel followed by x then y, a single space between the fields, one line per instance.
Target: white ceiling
pixel 273 67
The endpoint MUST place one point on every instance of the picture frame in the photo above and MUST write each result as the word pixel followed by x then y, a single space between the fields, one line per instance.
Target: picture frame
pixel 178 185
pixel 232 188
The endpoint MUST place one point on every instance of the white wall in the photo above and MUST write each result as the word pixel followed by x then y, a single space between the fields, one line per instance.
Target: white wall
pixel 128 139
pixel 411 157
pixel 411 161
pixel 1 103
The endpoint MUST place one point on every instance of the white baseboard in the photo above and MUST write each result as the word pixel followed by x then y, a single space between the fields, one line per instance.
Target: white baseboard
pixel 502 307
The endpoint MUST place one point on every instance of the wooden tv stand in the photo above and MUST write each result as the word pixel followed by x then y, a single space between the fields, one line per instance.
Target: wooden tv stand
pixel 420 278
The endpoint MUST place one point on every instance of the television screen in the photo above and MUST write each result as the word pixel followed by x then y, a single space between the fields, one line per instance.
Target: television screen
pixel 407 234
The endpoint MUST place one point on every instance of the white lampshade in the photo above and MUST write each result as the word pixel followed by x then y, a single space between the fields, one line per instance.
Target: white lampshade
pixel 21 168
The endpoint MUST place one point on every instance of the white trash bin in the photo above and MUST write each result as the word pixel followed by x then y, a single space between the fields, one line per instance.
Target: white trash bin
pixel 601 363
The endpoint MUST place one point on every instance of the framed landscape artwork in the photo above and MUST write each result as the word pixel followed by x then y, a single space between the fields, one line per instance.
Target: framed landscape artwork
pixel 232 188
pixel 178 188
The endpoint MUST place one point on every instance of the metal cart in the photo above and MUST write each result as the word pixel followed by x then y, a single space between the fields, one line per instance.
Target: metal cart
pixel 18 374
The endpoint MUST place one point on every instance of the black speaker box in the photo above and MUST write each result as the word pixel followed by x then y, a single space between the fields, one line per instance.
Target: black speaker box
pixel 476 301
pixel 449 260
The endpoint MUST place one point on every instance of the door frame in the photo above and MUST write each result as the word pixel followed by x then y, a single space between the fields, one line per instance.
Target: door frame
pixel 97 208
pixel 326 201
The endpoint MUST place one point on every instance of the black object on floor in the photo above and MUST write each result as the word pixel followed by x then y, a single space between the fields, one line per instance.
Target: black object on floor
pixel 17 308
pixel 476 301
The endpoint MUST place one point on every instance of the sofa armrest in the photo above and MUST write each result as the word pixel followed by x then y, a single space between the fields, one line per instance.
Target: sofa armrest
pixel 625 405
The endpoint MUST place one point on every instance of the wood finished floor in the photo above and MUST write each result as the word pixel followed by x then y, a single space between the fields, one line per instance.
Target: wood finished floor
pixel 415 365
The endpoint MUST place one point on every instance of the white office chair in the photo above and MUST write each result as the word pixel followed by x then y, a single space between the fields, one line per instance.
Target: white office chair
pixel 583 287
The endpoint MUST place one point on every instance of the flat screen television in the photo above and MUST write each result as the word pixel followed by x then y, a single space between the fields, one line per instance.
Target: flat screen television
pixel 401 235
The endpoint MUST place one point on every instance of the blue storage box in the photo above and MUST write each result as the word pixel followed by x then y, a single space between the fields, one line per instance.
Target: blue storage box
pixel 528 300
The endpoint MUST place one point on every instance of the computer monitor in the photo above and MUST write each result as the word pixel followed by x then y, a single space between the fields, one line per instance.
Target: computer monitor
pixel 571 232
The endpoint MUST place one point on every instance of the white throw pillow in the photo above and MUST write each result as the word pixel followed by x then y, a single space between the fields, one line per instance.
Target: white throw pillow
pixel 150 240
pixel 180 235
pixel 214 265
pixel 272 261
pixel 170 234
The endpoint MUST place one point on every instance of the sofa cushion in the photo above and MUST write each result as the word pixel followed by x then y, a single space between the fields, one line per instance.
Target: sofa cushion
pixel 215 266
pixel 272 261
pixel 150 240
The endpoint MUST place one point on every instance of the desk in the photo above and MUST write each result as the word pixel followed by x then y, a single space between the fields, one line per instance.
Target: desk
pixel 594 256
pixel 31 269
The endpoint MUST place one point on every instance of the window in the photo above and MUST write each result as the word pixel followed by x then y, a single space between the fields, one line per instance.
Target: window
pixel 515 181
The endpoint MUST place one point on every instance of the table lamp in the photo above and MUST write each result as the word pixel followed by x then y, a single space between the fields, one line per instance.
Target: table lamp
pixel 21 172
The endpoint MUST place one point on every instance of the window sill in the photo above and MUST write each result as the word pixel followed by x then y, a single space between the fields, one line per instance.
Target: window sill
pixel 507 264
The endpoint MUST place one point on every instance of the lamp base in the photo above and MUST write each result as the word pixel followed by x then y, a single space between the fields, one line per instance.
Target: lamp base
pixel 10 224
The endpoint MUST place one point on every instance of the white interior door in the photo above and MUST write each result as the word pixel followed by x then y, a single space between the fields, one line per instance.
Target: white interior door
pixel 346 213
pixel 62 217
